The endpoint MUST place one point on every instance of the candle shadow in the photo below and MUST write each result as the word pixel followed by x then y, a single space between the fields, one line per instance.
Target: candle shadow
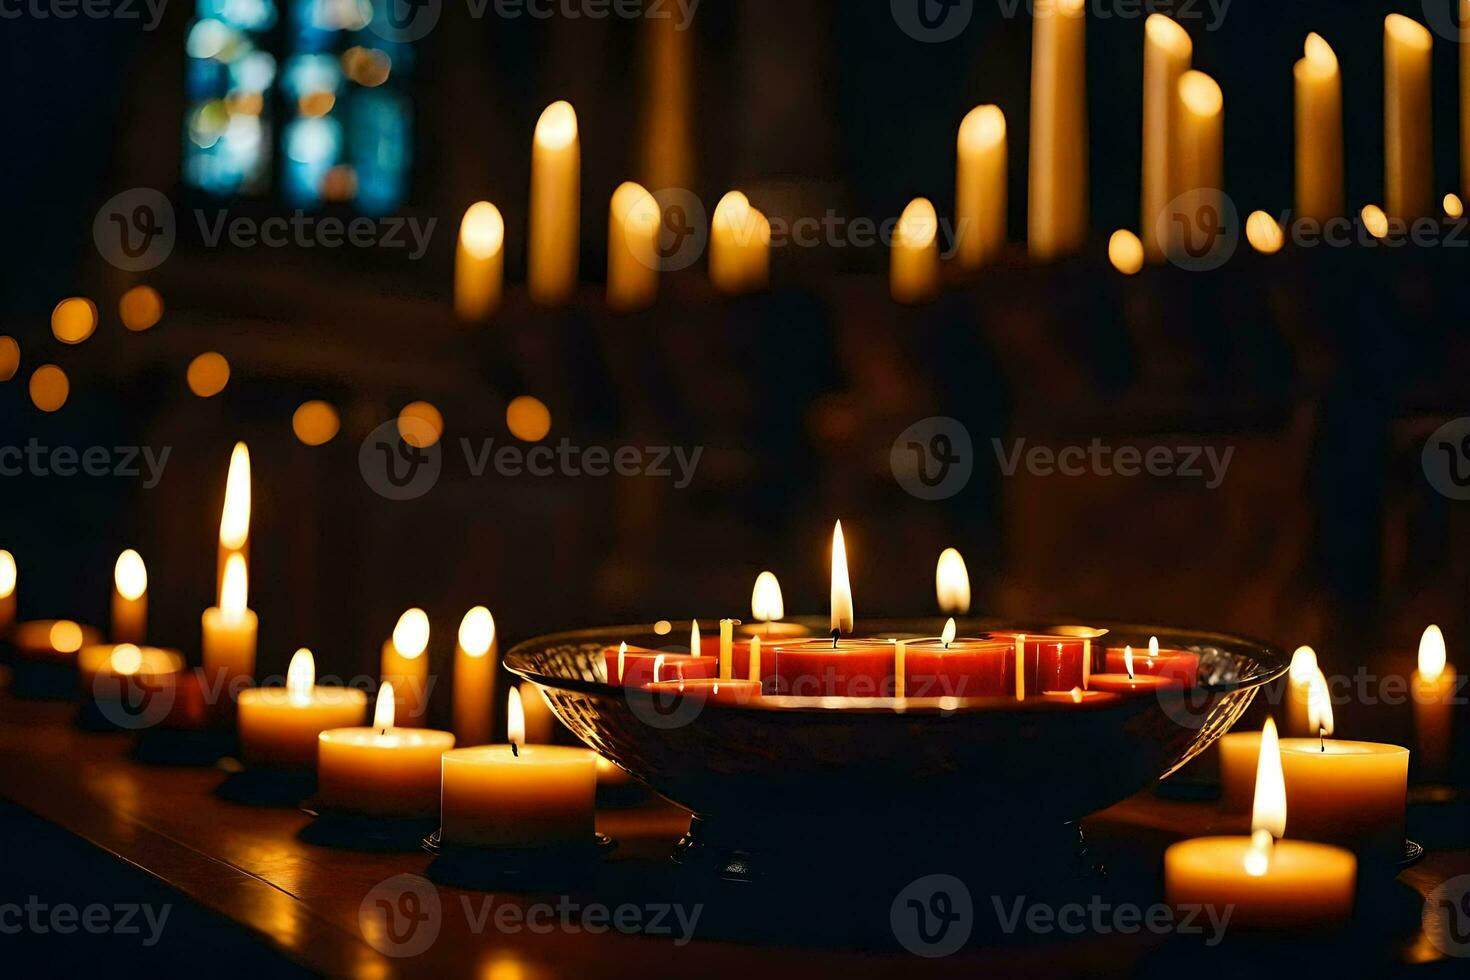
pixel 182 747
pixel 346 832
pixel 257 787
pixel 498 869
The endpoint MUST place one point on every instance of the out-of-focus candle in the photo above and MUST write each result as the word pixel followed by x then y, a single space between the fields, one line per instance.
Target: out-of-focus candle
pixel 405 665
pixel 667 98
pixel 381 771
pixel 1434 686
pixel 914 257
pixel 229 631
pixel 1319 161
pixel 1408 164
pixel 980 187
pixel 1058 188
pixel 234 521
pixel 1464 101
pixel 556 188
pixel 1239 753
pixel 52 639
pixel 518 795
pixel 1200 155
pixel 952 583
pixel 739 246
pixel 1167 52
pixel 129 598
pixel 479 263
pixel 279 726
pixel 149 665
pixel 632 249
pixel 7 591
pixel 474 677
pixel 1299 679
pixel 540 720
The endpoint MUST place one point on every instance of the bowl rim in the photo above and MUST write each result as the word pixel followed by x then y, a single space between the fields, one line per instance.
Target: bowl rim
pixel 1273 665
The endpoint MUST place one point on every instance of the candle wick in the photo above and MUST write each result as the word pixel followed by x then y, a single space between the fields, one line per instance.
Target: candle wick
pixel 515 750
pixel 1322 738
pixel 835 634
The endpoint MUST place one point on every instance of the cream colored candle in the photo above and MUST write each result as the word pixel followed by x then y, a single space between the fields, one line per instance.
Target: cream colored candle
pixel 1433 691
pixel 405 665
pixel 1348 793
pixel 540 720
pixel 754 655
pixel 556 188
pixel 234 520
pixel 479 263
pixel 229 631
pixel 632 249
pixel 7 591
pixel 1057 222
pixel 1167 52
pixel 475 661
pixel 739 246
pixel 1200 155
pixel 105 662
pixel 980 187
pixel 129 598
pixel 279 726
pixel 914 262
pixel 518 795
pixel 381 771
pixel 1408 163
pixel 1319 160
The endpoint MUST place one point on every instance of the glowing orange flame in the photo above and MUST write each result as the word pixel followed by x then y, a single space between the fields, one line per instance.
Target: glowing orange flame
pixel 952 582
pixel 842 612
pixel 411 635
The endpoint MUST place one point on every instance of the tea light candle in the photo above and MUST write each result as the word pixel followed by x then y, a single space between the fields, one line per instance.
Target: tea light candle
pixel 634 666
pixel 1181 665
pixel 959 668
pixel 474 677
pixel 1058 186
pixel 381 771
pixel 279 727
pixel 716 689
pixel 633 226
pixel 914 257
pixel 106 663
pixel 767 609
pixel 1167 52
pixel 1408 164
pixel 1133 682
pixel 52 639
pixel 234 520
pixel 129 598
pixel 556 188
pixel 1434 685
pixel 405 665
pixel 230 630
pixel 1319 157
pixel 739 246
pixel 7 591
pixel 980 187
pixel 479 263
pixel 518 795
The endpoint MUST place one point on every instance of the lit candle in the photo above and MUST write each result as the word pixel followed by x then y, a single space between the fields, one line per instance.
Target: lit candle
pixel 632 249
pixel 556 188
pixel 1133 681
pixel 980 187
pixel 1167 51
pixel 1181 665
pixel 739 246
pixel 913 271
pixel 1058 187
pixel 709 689
pixel 1347 793
pixel 768 608
pixel 52 639
pixel 1408 164
pixel 727 649
pixel 474 677
pixel 633 666
pixel 1200 154
pixel 955 667
pixel 1319 181
pixel 952 582
pixel 381 771
pixel 518 795
pixel 405 665
pixel 1299 678
pixel 129 598
pixel 234 520
pixel 1434 686
pixel 97 665
pixel 540 720
pixel 7 591
pixel 1269 883
pixel 229 631
pixel 279 726
pixel 479 263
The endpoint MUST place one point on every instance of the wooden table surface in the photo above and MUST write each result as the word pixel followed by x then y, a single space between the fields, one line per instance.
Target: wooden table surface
pixel 301 901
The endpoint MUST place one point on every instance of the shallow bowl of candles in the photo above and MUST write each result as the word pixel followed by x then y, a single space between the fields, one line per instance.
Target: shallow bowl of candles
pixel 858 778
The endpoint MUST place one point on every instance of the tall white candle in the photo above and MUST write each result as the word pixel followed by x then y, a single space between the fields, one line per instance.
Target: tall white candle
pixel 556 188
pixel 1057 221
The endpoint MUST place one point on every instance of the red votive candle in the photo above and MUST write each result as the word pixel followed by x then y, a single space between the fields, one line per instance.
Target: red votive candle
pixel 638 664
pixel 816 668
pixel 1181 665
pixel 1053 663
pixel 1135 685
pixel 966 668
pixel 708 689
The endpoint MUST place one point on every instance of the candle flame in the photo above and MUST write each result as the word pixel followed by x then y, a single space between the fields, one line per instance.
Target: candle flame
pixel 1264 234
pixel 126 659
pixel 557 126
pixel 694 644
pixel 1408 32
pixel 130 575
pixel 1268 810
pixel 1153 648
pixel 638 208
pixel 1076 693
pixel 1454 208
pixel 842 613
pixel 766 604
pixel 1125 251
pixel 918 226
pixel 622 655
pixel 947 637
pixel 7 574
pixel 1320 57
pixel 1128 660
pixel 1201 94
pixel 1303 666
pixel 515 718
pixel 983 127
pixel 234 590
pixel 1432 656
pixel 952 582
pixel 1319 705
pixel 301 676
pixel 1258 855
pixel 476 632
pixel 411 635
pixel 1375 220
pixel 482 230
pixel 234 521
pixel 383 710
pixel 658 668
pixel 65 636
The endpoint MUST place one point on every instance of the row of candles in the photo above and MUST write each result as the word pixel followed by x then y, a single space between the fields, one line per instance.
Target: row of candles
pixel 1182 170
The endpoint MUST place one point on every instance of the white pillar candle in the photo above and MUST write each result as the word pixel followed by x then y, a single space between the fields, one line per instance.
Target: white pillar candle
pixel 279 725
pixel 1057 216
pixel 405 665
pixel 556 188
pixel 1408 164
